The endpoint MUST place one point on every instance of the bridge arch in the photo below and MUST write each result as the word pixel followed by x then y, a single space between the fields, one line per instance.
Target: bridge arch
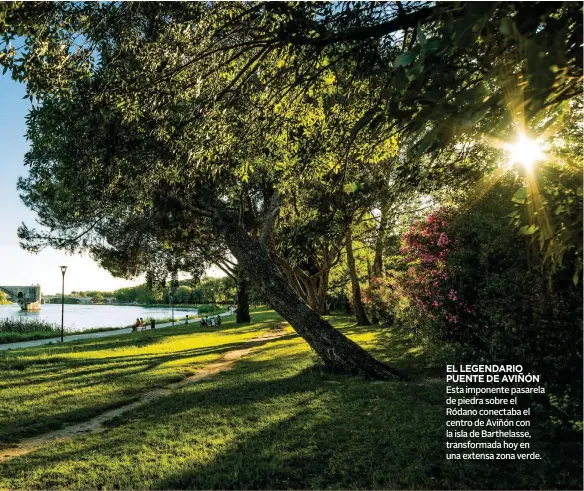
pixel 28 297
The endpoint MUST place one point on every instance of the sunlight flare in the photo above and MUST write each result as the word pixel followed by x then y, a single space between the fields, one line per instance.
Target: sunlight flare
pixel 524 151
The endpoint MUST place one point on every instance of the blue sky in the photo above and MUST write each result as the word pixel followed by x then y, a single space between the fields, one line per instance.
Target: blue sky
pixel 18 267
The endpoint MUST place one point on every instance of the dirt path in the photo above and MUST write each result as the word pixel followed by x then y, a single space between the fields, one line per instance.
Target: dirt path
pixel 225 362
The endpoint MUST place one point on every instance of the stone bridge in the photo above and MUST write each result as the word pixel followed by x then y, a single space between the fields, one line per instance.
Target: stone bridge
pixel 28 297
pixel 80 300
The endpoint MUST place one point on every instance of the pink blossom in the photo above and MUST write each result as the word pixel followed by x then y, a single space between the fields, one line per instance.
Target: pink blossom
pixel 443 240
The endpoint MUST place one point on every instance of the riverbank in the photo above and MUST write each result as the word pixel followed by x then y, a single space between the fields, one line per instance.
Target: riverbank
pixel 78 319
pixel 98 333
pixel 19 330
pixel 17 337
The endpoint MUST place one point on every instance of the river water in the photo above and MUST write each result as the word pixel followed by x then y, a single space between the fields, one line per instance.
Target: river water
pixel 82 317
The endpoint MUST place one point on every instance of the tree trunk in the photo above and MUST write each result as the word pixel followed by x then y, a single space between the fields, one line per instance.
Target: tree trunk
pixel 373 312
pixel 336 350
pixel 322 293
pixel 378 261
pixel 362 319
pixel 315 299
pixel 242 313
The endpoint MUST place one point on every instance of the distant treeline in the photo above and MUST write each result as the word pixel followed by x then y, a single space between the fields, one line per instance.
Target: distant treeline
pixel 208 290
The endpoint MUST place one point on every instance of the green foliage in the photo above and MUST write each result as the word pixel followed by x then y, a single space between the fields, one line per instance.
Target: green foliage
pixel 209 309
pixel 549 206
pixel 492 297
pixel 4 298
pixel 169 131
pixel 26 325
pixel 17 330
pixel 141 294
pixel 531 311
pixel 183 294
pixel 208 290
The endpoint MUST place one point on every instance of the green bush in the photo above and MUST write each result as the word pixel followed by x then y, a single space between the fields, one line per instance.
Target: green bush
pixel 528 314
pixel 14 330
pixel 25 326
pixel 209 309
pixel 488 296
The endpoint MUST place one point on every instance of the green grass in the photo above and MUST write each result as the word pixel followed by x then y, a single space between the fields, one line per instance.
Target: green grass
pixel 17 330
pixel 13 330
pixel 276 420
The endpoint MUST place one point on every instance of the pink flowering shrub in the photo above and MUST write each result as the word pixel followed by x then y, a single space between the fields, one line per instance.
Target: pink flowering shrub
pixel 427 283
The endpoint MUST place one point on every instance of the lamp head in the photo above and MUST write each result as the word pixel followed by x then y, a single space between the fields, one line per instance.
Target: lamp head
pixel 63 269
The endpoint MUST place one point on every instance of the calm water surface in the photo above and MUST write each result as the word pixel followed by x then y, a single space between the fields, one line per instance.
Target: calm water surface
pixel 82 317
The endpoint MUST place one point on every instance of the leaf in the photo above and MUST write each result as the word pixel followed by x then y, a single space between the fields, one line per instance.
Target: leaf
pixel 520 196
pixel 400 81
pixel 421 36
pixel 528 229
pixel 405 58
pixel 365 119
pixel 508 27
pixel 350 187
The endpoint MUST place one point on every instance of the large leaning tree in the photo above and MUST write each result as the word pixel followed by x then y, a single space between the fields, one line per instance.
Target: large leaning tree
pixel 139 101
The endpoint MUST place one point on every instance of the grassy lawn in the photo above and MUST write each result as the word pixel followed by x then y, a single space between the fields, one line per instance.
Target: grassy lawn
pixel 77 380
pixel 276 420
pixel 16 337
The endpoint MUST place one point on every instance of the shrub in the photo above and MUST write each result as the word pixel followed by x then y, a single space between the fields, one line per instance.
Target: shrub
pixel 25 325
pixel 209 309
pixel 469 284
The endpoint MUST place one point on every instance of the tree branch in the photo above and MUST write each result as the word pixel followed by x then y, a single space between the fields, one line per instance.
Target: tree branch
pixel 273 211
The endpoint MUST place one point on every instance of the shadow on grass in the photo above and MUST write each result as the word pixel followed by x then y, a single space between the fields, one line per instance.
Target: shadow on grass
pixel 278 421
pixel 281 423
pixel 120 374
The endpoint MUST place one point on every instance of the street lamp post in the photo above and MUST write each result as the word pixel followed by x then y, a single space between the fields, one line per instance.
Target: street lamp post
pixel 63 269
pixel 172 307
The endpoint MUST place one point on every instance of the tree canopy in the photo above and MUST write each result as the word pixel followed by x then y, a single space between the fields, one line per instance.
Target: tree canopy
pixel 167 135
